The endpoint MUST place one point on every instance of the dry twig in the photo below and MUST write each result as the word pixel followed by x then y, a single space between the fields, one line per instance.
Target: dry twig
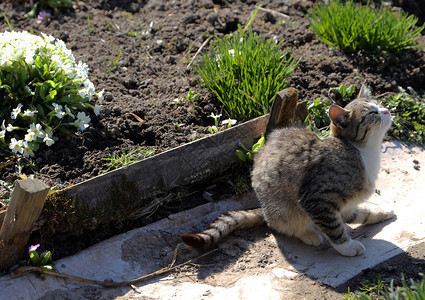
pixel 197 52
pixel 274 12
pixel 24 270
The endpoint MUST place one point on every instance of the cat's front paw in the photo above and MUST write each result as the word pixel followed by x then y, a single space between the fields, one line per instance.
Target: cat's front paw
pixel 350 248
pixel 381 216
pixel 388 215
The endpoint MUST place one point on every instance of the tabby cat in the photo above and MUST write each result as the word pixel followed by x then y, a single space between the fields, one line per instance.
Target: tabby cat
pixel 308 186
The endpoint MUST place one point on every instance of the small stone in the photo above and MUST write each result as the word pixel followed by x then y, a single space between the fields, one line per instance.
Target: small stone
pixel 170 59
pixel 108 97
pixel 145 83
pixel 282 273
pixel 208 108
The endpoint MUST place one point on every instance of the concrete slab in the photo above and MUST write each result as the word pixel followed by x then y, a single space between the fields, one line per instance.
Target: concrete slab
pixel 251 264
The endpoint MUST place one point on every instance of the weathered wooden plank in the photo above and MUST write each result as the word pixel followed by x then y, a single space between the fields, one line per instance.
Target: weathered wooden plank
pixel 183 165
pixel 283 109
pixel 25 206
pixel 2 214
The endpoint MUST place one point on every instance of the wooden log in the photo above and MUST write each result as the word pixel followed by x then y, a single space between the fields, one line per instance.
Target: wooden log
pixel 283 109
pixel 2 214
pixel 187 164
pixel 25 206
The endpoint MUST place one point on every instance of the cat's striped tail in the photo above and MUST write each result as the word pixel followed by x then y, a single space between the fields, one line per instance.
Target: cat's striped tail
pixel 222 226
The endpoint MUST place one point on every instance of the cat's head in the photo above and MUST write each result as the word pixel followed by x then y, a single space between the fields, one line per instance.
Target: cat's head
pixel 361 120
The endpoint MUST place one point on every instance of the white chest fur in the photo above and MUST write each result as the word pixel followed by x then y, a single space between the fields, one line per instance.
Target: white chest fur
pixel 371 156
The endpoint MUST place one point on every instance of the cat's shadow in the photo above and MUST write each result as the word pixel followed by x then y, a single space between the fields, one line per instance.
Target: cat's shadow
pixel 323 262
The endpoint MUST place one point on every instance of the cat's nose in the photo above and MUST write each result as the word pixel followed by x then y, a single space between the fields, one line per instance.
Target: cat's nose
pixel 386 112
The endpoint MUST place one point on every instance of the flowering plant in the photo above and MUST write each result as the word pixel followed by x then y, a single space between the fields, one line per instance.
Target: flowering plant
pixel 39 260
pixel 225 123
pixel 43 89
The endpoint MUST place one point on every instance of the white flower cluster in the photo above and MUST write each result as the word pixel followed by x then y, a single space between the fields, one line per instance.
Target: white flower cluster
pixel 27 47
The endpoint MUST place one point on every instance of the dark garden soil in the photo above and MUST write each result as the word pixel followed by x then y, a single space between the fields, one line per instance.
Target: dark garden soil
pixel 152 70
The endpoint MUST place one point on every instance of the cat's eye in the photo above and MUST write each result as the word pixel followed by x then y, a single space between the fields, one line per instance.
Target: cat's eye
pixel 374 112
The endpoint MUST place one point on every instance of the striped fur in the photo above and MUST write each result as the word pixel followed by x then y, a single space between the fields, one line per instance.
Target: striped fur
pixel 309 187
pixel 222 226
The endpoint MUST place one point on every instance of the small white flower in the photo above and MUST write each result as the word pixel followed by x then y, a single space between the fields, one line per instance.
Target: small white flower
pixel 48 137
pixel 48 140
pixel 10 128
pixel 16 111
pixel 37 130
pixel 100 96
pixel 82 121
pixel 69 112
pixel 2 134
pixel 179 100
pixel 30 136
pixel 228 122
pixel 232 52
pixel 48 38
pixel 26 150
pixel 15 145
pixel 58 110
pixel 96 109
pixel 215 116
pixel 56 59
pixel 29 113
pixel 28 90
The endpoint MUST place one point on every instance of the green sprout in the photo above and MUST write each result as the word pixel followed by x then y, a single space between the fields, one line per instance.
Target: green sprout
pixel 318 118
pixel 113 59
pixel 247 154
pixel 124 159
pixel 228 123
pixel 344 92
pixel 408 111
pixel 191 96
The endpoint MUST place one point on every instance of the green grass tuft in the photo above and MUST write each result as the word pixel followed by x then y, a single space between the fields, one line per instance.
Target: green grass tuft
pixel 379 290
pixel 116 161
pixel 354 28
pixel 245 71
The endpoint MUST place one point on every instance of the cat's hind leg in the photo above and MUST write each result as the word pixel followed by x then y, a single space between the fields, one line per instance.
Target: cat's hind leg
pixel 365 215
pixel 301 227
pixel 310 236
pixel 324 213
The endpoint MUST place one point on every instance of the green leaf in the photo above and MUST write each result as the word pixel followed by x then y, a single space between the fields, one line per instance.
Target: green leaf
pixel 262 141
pixel 249 156
pixel 34 257
pixel 40 110
pixel 52 95
pixel 45 256
pixel 51 83
pixel 241 155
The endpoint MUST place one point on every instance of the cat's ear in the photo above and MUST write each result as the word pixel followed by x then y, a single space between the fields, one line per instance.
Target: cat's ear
pixel 364 92
pixel 338 116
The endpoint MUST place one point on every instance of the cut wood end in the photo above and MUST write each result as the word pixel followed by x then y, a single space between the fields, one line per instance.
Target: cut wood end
pixel 32 185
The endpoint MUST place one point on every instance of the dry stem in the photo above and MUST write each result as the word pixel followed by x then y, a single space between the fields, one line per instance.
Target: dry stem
pixel 19 272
